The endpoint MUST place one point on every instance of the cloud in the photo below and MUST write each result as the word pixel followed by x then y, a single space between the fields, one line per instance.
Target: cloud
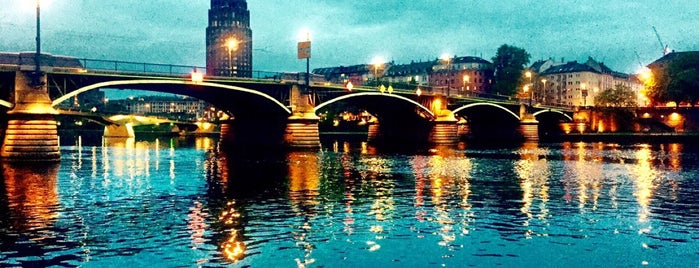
pixel 352 32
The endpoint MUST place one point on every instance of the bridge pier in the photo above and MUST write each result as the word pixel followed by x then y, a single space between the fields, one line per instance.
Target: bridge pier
pixel 462 129
pixel 302 126
pixel 119 131
pixel 445 129
pixel 529 126
pixel 32 133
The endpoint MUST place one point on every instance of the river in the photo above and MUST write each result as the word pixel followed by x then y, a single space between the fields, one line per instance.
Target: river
pixel 185 202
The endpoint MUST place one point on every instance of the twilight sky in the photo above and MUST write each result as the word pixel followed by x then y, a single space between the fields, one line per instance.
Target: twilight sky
pixel 354 32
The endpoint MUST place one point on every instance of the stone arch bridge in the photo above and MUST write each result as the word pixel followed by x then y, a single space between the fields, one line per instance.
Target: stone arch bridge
pixel 267 112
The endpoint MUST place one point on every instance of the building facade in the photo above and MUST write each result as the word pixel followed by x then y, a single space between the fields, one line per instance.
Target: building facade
pixel 229 39
pixel 414 73
pixel 462 75
pixel 356 74
pixel 173 107
pixel 577 84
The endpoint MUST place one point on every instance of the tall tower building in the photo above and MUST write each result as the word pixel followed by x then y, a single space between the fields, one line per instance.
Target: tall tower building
pixel 229 39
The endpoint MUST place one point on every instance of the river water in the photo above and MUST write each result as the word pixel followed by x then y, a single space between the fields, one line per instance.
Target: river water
pixel 183 202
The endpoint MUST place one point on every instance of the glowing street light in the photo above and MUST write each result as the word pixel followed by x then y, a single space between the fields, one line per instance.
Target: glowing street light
pixel 528 75
pixel 197 77
pixel 448 59
pixel 543 81
pixel 377 62
pixel 232 45
pixel 349 86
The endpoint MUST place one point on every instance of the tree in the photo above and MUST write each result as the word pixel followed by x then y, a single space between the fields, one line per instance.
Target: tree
pixel 678 81
pixel 620 97
pixel 617 105
pixel 509 63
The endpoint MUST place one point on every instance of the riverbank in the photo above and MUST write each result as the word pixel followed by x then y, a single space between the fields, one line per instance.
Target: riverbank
pixel 627 137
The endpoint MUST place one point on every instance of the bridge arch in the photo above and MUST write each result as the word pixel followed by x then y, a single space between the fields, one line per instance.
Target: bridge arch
pixel 6 104
pixel 553 111
pixel 401 120
pixel 487 104
pixel 420 107
pixel 180 87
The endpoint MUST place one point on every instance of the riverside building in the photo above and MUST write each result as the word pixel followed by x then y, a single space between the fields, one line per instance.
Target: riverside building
pixel 229 39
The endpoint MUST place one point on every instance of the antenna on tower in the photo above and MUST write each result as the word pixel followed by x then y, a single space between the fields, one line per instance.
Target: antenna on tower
pixel 638 58
pixel 665 48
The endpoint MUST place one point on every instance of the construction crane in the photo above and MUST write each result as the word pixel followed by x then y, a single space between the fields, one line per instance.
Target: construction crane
pixel 665 48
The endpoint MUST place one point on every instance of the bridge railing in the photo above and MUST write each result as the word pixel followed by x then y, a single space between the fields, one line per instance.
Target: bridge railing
pixel 185 70
pixel 139 67
pixel 161 69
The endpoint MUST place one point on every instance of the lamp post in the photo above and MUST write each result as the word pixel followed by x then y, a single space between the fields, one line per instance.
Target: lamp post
pixel 304 52
pixel 36 78
pixel 447 59
pixel 528 74
pixel 377 62
pixel 543 99
pixel 232 45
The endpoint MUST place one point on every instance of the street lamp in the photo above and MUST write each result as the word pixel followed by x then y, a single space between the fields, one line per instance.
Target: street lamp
pixel 197 77
pixel 36 78
pixel 377 62
pixel 544 94
pixel 528 74
pixel 447 59
pixel 232 45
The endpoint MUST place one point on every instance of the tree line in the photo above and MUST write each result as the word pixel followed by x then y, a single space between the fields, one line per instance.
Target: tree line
pixel 677 82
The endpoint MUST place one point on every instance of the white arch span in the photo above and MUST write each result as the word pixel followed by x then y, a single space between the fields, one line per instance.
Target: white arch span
pixel 553 111
pixel 344 97
pixel 165 82
pixel 6 103
pixel 486 104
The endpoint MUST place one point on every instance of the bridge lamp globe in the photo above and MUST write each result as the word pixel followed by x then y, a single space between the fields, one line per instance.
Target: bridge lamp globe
pixel 197 77
pixel 349 86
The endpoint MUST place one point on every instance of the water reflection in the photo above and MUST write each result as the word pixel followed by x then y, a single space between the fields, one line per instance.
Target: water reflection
pixel 444 177
pixel 534 174
pixel 30 208
pixel 237 177
pixel 189 202
pixel 304 182
pixel 31 193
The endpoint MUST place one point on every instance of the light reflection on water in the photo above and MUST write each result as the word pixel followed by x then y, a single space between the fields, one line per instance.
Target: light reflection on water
pixel 183 202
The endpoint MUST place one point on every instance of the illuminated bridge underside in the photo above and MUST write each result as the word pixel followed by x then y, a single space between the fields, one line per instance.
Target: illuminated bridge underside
pixel 259 118
pixel 237 101
pixel 495 121
pixel 401 120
